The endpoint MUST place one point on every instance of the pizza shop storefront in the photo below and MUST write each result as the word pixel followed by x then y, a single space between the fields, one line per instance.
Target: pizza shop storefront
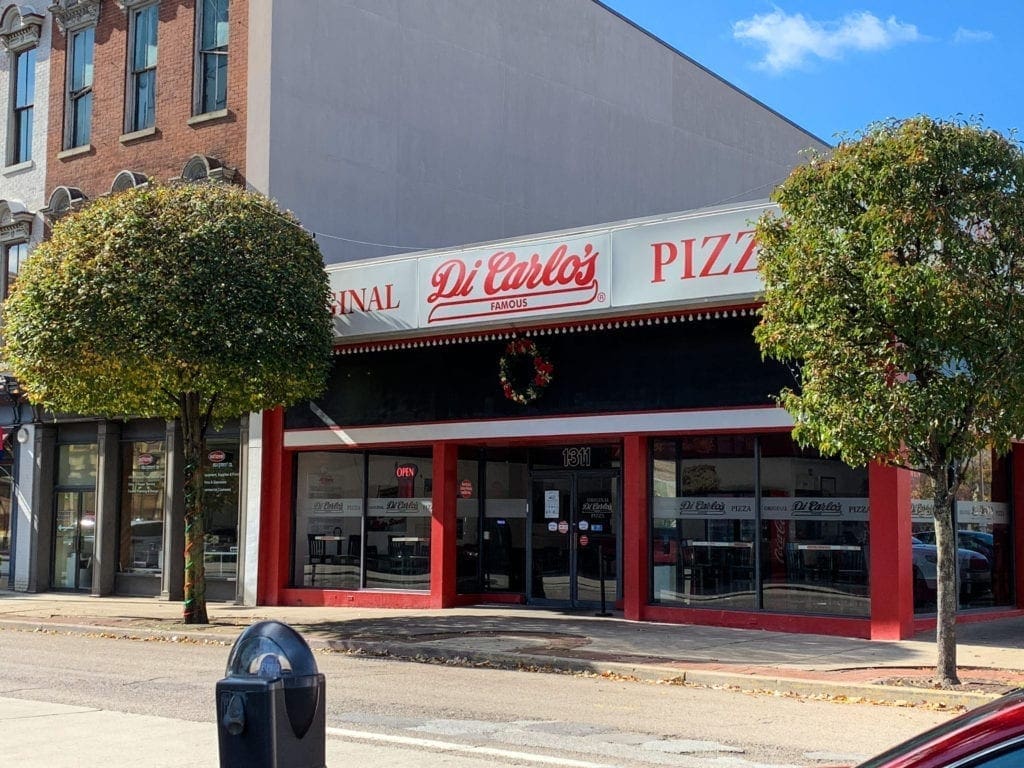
pixel 583 419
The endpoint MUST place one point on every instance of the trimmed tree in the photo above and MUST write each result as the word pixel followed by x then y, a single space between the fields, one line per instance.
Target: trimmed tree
pixel 893 285
pixel 194 302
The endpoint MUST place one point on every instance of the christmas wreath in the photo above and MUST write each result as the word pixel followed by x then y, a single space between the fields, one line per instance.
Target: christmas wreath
pixel 523 371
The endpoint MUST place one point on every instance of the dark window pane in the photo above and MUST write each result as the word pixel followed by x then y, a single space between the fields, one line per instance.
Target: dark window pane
pixel 23 135
pixel 214 25
pixel 215 82
pixel 145 100
pixel 81 66
pixel 81 119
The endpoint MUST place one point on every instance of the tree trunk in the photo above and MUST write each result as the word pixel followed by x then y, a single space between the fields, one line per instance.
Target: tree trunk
pixel 948 586
pixel 194 439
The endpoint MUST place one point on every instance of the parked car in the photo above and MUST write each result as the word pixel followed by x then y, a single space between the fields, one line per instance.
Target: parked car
pixel 990 736
pixel 977 541
pixel 974 568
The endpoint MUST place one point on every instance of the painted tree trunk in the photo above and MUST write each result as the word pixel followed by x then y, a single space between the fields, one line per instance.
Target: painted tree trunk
pixel 948 586
pixel 194 446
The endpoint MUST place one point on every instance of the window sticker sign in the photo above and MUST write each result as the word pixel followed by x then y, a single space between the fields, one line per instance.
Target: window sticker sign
pixel 550 505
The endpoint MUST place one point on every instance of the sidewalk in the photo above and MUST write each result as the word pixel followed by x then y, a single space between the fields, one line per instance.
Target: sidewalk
pixel 990 654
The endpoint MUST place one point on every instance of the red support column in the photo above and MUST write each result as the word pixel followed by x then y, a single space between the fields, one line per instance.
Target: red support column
pixel 1016 462
pixel 443 524
pixel 891 570
pixel 275 519
pixel 635 527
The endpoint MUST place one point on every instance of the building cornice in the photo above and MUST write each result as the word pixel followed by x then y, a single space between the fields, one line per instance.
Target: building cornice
pixel 20 28
pixel 73 15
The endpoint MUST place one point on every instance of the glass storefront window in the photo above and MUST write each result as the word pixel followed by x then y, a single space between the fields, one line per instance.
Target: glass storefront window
pixel 492 549
pixel 337 547
pixel 982 515
pixel 143 479
pixel 74 511
pixel 505 521
pixel 814 531
pixel 329 520
pixel 398 520
pixel 703 533
pixel 220 508
pixel 467 523
pixel 76 465
pixel 709 492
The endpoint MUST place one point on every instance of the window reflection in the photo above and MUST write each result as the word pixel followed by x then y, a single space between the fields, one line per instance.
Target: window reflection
pixel 142 507
pixel 812 542
pixel 982 514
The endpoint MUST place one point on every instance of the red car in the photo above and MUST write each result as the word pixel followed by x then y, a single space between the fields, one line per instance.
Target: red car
pixel 990 736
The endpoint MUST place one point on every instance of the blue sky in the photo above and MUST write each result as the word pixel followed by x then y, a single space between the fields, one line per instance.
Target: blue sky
pixel 834 66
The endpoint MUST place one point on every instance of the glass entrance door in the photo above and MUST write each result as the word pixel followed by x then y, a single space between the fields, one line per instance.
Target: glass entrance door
pixel 74 540
pixel 574 521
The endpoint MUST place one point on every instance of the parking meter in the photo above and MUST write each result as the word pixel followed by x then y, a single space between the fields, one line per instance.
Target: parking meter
pixel 271 704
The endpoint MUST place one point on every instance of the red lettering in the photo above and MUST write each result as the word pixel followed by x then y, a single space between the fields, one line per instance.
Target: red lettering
pixel 748 254
pixel 452 279
pixel 660 261
pixel 687 258
pixel 355 299
pixel 496 266
pixel 715 253
pixel 505 272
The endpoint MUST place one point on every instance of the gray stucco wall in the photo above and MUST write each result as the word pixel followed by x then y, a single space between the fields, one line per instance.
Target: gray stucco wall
pixel 427 123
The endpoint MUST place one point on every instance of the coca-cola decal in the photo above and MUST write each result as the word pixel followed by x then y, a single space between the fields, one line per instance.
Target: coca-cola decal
pixel 535 279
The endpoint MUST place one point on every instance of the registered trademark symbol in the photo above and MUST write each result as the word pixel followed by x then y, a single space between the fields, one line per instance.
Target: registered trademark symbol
pixel 601 296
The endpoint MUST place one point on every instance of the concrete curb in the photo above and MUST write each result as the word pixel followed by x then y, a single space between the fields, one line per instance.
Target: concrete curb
pixel 654 673
pixel 895 695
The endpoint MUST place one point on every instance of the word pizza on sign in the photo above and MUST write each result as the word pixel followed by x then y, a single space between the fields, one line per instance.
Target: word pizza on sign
pixel 714 256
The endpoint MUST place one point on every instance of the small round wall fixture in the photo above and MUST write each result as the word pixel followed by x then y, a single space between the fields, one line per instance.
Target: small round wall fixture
pixel 23 435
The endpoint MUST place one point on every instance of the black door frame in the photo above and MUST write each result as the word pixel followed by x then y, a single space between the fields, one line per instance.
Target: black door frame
pixel 572 475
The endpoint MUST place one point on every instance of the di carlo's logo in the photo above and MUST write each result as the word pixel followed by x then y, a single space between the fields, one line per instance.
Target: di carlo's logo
pixel 507 284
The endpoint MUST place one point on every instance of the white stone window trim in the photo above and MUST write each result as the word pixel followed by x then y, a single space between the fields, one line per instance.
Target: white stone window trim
pixel 128 138
pixel 73 15
pixel 63 200
pixel 67 154
pixel 14 170
pixel 15 229
pixel 207 117
pixel 20 28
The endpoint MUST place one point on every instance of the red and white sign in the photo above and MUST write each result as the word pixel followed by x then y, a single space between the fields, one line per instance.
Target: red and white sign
pixel 369 297
pixel 466 489
pixel 216 457
pixel 406 471
pixel 701 258
pixel 670 261
pixel 147 459
pixel 517 280
pixel 584 540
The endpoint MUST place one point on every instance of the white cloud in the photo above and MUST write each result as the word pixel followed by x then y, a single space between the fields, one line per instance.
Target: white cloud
pixel 972 36
pixel 792 39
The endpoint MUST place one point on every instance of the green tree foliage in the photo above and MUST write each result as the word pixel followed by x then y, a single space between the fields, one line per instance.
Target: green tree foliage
pixel 197 302
pixel 893 284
